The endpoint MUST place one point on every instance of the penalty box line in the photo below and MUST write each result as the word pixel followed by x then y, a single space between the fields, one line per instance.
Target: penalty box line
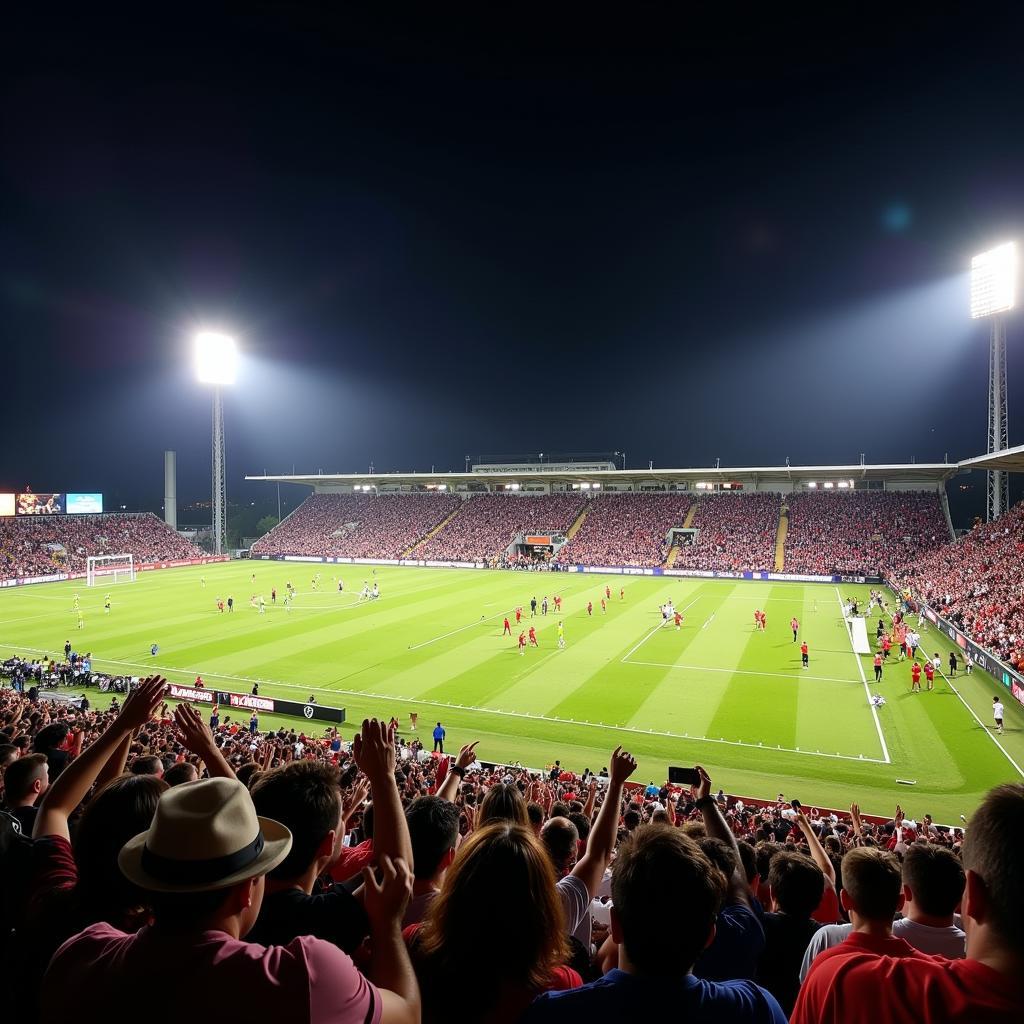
pixel 523 715
pixel 741 671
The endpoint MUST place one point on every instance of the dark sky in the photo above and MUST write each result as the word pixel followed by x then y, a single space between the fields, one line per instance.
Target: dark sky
pixel 501 233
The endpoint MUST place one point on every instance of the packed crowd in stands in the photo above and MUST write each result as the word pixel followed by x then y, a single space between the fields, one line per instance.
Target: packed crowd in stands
pixel 357 525
pixel 863 533
pixel 736 533
pixel 976 584
pixel 195 870
pixel 486 524
pixel 42 545
pixel 626 529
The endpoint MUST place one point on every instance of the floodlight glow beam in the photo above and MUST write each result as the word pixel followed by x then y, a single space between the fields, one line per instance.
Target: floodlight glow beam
pixel 216 358
pixel 994 281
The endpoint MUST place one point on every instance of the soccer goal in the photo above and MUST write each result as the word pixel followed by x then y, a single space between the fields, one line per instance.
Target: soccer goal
pixel 109 569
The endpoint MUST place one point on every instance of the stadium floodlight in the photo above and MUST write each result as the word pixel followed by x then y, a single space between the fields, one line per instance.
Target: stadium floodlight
pixel 994 281
pixel 993 294
pixel 216 358
pixel 216 364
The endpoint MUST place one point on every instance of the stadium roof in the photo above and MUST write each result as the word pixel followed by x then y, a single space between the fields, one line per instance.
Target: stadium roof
pixel 1009 459
pixel 912 472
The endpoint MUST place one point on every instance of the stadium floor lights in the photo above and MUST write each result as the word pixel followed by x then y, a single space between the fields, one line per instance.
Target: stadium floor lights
pixel 217 364
pixel 993 295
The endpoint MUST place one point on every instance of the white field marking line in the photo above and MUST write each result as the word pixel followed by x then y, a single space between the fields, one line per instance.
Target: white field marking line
pixel 536 665
pixel 988 732
pixel 664 622
pixel 483 618
pixel 25 618
pixel 864 680
pixel 710 619
pixel 366 694
pixel 741 671
pixel 760 600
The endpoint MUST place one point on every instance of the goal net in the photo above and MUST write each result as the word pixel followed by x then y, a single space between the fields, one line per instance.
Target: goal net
pixel 109 569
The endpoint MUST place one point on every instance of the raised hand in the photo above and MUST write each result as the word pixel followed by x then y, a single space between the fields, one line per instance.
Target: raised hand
pixel 353 800
pixel 704 786
pixel 385 902
pixel 374 750
pixel 140 704
pixel 623 764
pixel 193 732
pixel 467 755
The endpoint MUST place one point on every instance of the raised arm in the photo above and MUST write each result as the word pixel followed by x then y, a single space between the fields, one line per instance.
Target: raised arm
pixel 73 784
pixel 818 854
pixel 449 789
pixel 195 734
pixel 374 752
pixel 591 866
pixel 718 828
pixel 588 807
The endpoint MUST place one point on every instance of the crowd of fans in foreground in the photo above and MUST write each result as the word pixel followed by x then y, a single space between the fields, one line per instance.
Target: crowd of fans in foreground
pixel 626 529
pixel 357 525
pixel 736 533
pixel 976 583
pixel 190 873
pixel 43 545
pixel 861 533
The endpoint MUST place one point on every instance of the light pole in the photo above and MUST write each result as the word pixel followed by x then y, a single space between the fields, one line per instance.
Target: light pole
pixel 993 294
pixel 216 363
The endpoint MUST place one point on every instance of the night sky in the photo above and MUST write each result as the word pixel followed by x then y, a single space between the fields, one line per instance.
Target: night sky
pixel 498 234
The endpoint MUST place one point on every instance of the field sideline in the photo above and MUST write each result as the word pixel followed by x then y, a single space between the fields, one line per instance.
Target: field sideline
pixel 716 692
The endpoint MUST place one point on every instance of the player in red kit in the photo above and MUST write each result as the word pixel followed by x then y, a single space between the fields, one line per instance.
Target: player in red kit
pixel 915 678
pixel 558 603
pixel 929 674
pixel 508 627
pixel 803 655
pixel 519 615
pixel 604 607
pixel 608 592
pixel 757 618
pixel 764 621
pixel 522 643
pixel 533 637
pixel 590 607
pixel 795 626
pixel 679 619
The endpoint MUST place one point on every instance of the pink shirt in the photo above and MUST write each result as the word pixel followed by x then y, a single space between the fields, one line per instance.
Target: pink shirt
pixel 106 974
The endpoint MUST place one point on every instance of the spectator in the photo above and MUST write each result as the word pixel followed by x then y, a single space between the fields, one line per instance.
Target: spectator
pixel 665 895
pixel 181 773
pixel 856 984
pixel 501 866
pixel 434 832
pixel 203 906
pixel 25 781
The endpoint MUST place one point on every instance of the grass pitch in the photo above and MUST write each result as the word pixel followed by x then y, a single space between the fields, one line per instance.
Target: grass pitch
pixel 716 692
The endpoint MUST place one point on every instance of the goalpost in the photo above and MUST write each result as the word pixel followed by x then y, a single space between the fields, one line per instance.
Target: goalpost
pixel 109 569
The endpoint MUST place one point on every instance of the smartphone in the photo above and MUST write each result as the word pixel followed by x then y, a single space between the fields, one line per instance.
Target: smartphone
pixel 683 776
pixel 796 805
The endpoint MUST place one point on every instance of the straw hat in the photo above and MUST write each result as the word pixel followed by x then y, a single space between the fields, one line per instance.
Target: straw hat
pixel 205 835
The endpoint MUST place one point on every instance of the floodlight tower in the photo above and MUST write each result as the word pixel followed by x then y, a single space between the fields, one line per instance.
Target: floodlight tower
pixel 993 294
pixel 216 361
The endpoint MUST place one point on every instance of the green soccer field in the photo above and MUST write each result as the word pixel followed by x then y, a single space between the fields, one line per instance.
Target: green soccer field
pixel 715 692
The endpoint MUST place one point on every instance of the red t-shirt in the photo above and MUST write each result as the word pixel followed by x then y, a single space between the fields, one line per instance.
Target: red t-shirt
pixel 854 984
pixel 352 860
pixel 827 911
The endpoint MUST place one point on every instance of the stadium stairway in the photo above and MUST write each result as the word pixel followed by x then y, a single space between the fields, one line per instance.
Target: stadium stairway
pixel 575 528
pixel 430 533
pixel 672 553
pixel 690 513
pixel 780 538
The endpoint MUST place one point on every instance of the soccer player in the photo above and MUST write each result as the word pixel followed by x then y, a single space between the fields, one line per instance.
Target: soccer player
pixel 622 593
pixel 522 642
pixel 202 582
pixel 375 593
pixel 74 604
pixel 544 605
pixel 341 585
pixel 263 605
pixel 915 678
pixel 590 607
pixel 757 618
pixel 288 603
pixel 154 649
pixel 220 606
pixel 886 646
pixel 533 638
pixel 952 663
pixel 997 714
pixel 679 620
pixel 231 604
pixel 81 621
pixel 507 628
pixel 561 634
pixel 937 662
pixel 519 615
pixel 106 605
pixel 764 621
pixel 558 604
pixel 273 595
pixel 878 667
pixel 795 626
pixel 607 591
pixel 533 607
pixel 929 674
pixel 604 607
pixel 803 655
